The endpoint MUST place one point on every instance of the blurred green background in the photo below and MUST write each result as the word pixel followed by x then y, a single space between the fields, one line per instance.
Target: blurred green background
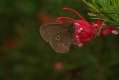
pixel 24 55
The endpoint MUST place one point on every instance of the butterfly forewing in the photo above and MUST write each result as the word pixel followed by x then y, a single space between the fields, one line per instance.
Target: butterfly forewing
pixel 61 42
pixel 49 30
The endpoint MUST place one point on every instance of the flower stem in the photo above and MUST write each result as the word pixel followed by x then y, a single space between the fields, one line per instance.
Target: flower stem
pixel 99 65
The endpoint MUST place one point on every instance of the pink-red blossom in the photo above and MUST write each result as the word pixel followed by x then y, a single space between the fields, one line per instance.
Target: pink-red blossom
pixel 109 30
pixel 58 66
pixel 83 30
pixel 98 25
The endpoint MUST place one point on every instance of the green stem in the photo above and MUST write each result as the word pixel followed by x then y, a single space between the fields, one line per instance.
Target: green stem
pixel 99 66
pixel 100 72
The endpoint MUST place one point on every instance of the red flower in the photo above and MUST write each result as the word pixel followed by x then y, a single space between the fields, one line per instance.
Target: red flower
pixel 9 43
pixel 97 25
pixel 109 30
pixel 83 30
pixel 58 66
pixel 43 17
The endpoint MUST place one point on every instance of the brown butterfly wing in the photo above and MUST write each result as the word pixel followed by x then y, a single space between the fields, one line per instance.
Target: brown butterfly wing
pixel 61 42
pixel 48 30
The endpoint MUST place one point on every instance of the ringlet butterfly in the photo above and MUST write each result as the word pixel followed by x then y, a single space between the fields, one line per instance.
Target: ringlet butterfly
pixel 58 35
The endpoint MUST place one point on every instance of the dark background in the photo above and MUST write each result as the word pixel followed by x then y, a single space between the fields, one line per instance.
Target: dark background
pixel 24 55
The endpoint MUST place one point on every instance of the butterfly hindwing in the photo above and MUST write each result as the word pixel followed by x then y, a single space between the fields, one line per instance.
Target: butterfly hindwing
pixel 61 42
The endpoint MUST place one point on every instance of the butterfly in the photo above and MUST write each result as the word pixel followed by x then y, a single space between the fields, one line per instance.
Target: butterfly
pixel 58 35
